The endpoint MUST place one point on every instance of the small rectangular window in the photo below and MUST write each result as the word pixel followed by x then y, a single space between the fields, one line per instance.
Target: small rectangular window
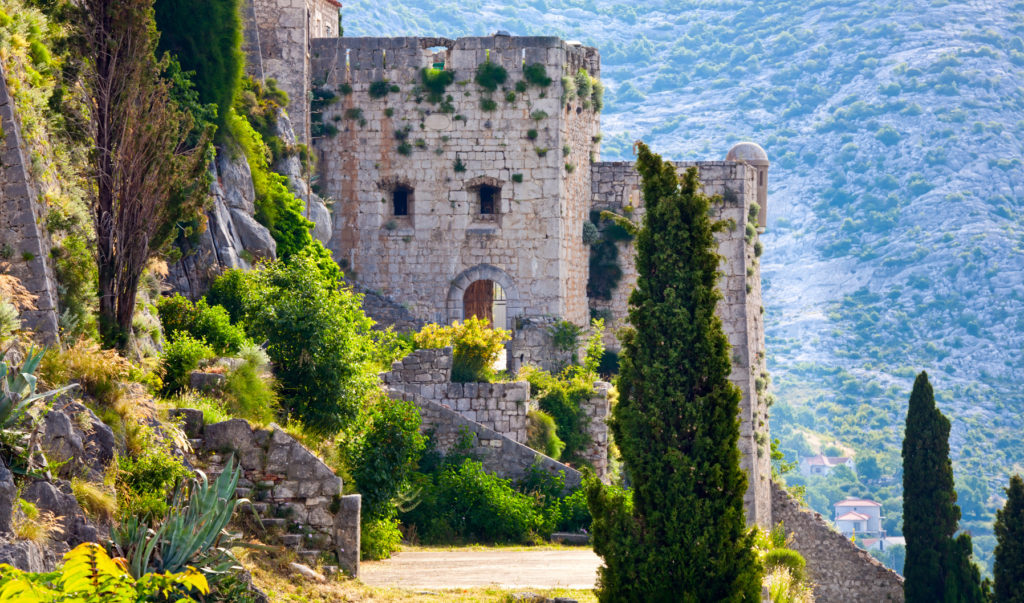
pixel 488 199
pixel 400 201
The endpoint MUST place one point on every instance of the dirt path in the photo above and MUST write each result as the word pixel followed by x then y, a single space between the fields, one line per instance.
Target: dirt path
pixel 544 568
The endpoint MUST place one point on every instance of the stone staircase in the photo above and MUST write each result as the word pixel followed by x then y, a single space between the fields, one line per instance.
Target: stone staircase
pixel 295 500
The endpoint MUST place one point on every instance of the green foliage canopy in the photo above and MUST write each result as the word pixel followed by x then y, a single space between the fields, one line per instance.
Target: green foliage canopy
pixel 684 537
pixel 1009 529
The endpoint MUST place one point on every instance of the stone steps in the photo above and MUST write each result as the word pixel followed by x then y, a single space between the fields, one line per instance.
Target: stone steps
pixel 308 555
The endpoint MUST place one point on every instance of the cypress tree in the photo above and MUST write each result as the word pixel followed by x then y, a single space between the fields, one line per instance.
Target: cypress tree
pixel 682 535
pixel 938 567
pixel 1009 529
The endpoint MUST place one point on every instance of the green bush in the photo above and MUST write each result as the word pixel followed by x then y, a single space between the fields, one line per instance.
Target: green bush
pixel 317 335
pixel 489 76
pixel 182 356
pixel 379 538
pixel 537 75
pixel 249 390
pixel 383 452
pixel 574 514
pixel 211 324
pixel 541 434
pixel 379 89
pixel 436 81
pixel 561 397
pixel 464 503
pixel 475 346
pixel 145 482
pixel 787 558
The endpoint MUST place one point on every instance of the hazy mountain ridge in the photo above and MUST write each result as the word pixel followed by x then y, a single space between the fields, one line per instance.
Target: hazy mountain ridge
pixel 896 230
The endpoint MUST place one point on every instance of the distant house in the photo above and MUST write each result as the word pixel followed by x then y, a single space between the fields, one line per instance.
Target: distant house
pixel 881 544
pixel 859 516
pixel 823 465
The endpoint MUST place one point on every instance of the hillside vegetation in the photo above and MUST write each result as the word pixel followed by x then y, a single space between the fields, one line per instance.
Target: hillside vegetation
pixel 896 212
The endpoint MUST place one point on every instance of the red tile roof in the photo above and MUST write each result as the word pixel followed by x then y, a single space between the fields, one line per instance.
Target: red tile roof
pixel 852 516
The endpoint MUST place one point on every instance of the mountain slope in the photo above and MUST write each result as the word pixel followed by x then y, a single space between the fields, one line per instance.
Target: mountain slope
pixel 896 215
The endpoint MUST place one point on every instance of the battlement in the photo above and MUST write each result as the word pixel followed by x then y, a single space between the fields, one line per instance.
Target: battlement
pixel 368 56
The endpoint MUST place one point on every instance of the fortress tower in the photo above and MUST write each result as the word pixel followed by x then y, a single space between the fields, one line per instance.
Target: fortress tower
pixel 456 199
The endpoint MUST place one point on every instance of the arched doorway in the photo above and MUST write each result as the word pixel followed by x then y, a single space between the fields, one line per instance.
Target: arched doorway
pixel 496 292
pixel 486 299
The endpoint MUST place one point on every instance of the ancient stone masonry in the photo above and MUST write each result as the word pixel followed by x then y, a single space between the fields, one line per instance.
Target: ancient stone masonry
pixel 616 187
pixel 495 412
pixel 24 242
pixel 485 191
pixel 290 487
pixel 501 407
pixel 277 38
pixel 840 571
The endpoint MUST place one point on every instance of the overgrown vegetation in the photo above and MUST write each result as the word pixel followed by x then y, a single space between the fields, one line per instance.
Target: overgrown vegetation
pixel 475 347
pixel 675 422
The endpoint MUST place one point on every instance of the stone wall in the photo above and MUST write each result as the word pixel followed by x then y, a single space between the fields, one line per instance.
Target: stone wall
pixel 287 480
pixel 841 571
pixel 499 454
pixel 616 187
pixel 24 242
pixel 501 407
pixel 447 152
pixel 597 410
pixel 277 40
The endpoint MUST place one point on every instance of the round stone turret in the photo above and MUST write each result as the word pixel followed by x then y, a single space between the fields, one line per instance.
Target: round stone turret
pixel 752 154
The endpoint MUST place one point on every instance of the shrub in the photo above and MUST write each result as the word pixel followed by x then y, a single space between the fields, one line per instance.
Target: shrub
pixel 96 499
pixel 29 523
pixel 249 390
pixel 180 358
pixel 436 81
pixel 489 76
pixel 90 575
pixel 317 335
pixel 144 482
pixel 488 104
pixel 100 372
pixel 212 408
pixel 574 514
pixel 475 346
pixel 381 454
pixel 785 558
pixel 465 503
pixel 541 434
pixel 211 324
pixel 379 538
pixel 537 75
pixel 379 89
pixel 561 397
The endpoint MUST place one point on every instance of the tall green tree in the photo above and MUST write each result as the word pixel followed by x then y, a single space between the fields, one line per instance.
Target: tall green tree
pixel 147 173
pixel 683 537
pixel 938 566
pixel 206 37
pixel 1009 528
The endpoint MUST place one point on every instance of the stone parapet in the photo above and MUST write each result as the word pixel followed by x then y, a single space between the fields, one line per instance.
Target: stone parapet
pixel 498 453
pixel 841 572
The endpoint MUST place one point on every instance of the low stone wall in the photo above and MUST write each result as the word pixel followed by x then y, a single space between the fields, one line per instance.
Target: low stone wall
pixel 501 407
pixel 498 453
pixel 840 570
pixel 282 476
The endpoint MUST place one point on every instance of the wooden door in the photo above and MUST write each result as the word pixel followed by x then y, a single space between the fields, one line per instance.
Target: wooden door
pixel 479 301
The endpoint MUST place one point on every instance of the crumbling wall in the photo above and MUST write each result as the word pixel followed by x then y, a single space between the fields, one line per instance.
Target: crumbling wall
pixel 444 152
pixel 616 187
pixel 24 242
pixel 498 453
pixel 501 407
pixel 288 481
pixel 841 572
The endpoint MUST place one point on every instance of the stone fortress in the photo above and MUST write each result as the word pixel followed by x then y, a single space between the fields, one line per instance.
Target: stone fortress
pixel 471 201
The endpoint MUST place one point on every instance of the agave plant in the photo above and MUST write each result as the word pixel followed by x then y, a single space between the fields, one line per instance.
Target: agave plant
pixel 191 534
pixel 17 396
